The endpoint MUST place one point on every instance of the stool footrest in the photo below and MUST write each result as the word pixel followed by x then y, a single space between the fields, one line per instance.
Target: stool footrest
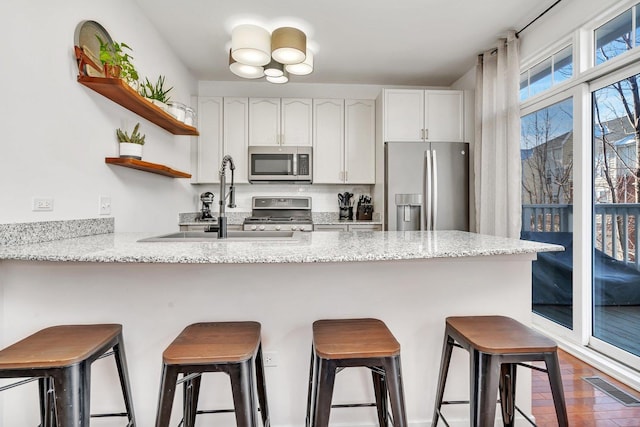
pixel 110 414
pixel 353 405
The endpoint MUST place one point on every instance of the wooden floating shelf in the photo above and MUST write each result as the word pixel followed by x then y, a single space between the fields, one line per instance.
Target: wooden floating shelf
pixel 147 167
pixel 121 93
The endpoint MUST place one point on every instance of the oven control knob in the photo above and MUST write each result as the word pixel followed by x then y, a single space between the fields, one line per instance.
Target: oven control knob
pixel 277 227
pixel 262 228
pixel 293 228
pixel 302 228
pixel 253 227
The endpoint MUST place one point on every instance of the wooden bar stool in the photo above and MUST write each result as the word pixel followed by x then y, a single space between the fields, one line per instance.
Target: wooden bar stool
pixel 497 345
pixel 61 357
pixel 230 347
pixel 343 343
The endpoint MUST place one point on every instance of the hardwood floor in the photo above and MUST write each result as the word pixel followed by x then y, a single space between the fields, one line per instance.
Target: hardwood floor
pixel 586 405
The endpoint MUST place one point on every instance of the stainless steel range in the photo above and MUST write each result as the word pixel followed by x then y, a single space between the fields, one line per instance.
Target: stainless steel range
pixel 279 213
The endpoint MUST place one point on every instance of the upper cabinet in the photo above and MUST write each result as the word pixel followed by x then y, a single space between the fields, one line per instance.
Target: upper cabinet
pixel 344 141
pixel 224 129
pixel 276 121
pixel 423 115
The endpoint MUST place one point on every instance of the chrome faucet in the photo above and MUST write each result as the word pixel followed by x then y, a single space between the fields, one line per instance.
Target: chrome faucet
pixel 222 219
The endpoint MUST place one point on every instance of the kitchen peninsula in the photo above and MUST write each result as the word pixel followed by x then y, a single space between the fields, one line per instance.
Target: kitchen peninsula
pixel 411 280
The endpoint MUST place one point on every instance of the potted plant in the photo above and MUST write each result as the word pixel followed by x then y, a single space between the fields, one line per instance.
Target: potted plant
pixel 117 63
pixel 131 145
pixel 156 93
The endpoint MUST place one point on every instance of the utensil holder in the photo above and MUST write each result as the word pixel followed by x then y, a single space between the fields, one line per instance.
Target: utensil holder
pixel 346 212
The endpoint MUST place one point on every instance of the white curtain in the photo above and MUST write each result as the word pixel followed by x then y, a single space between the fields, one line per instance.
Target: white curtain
pixel 497 141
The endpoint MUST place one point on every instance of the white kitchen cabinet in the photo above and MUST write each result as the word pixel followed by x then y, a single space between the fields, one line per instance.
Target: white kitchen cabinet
pixel 423 115
pixel 236 136
pixel 209 143
pixel 344 141
pixel 280 121
pixel 359 141
pixel 328 141
pixel 225 127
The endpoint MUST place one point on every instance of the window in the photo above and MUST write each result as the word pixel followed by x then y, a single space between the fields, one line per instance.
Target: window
pixel 617 36
pixel 551 71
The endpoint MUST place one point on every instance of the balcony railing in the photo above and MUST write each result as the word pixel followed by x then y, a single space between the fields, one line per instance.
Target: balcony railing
pixel 615 231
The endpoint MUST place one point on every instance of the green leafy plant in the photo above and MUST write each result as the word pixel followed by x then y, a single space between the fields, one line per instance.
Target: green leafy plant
pixel 114 55
pixel 135 138
pixel 157 91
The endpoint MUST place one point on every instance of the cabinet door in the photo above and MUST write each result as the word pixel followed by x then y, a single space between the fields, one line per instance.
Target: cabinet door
pixel 403 114
pixel 297 116
pixel 209 145
pixel 328 141
pixel 444 112
pixel 360 141
pixel 264 121
pixel 236 136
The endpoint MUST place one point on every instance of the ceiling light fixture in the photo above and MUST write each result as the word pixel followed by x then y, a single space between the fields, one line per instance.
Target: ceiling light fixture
pixel 284 78
pixel 244 70
pixel 251 45
pixel 288 45
pixel 255 53
pixel 274 69
pixel 303 68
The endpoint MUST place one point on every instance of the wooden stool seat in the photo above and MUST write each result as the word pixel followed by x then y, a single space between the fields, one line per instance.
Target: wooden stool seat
pixel 500 334
pixel 58 346
pixel 497 345
pixel 231 347
pixel 347 343
pixel 203 343
pixel 353 338
pixel 61 357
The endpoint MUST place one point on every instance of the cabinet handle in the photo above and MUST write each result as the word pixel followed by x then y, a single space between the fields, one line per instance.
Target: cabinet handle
pixel 426 134
pixel 422 134
pixel 346 176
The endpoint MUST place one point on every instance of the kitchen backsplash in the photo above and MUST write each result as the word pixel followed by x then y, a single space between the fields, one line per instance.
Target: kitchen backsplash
pixel 325 197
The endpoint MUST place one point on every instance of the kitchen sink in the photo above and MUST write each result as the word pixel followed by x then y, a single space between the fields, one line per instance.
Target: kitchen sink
pixel 232 236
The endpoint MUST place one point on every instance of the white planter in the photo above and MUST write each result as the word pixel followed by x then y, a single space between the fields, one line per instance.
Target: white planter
pixel 159 104
pixel 130 151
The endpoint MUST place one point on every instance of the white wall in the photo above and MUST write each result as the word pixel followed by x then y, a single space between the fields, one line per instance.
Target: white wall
pixel 56 132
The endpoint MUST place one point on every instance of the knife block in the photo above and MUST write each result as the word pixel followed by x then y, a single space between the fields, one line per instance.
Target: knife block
pixel 364 212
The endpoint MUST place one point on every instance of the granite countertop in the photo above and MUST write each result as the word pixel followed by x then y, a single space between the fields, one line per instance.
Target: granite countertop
pixel 303 248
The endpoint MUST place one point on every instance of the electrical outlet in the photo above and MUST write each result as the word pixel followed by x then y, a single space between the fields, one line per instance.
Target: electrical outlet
pixel 270 358
pixel 41 204
pixel 104 205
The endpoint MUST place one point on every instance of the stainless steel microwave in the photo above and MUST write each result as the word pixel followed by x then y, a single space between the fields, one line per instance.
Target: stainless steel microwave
pixel 280 164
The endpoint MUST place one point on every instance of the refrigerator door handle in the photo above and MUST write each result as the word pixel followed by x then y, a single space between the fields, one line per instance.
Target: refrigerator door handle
pixel 426 196
pixel 435 190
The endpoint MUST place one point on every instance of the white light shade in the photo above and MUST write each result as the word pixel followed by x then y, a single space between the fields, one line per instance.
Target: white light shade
pixel 274 69
pixel 251 45
pixel 284 78
pixel 303 68
pixel 244 70
pixel 288 45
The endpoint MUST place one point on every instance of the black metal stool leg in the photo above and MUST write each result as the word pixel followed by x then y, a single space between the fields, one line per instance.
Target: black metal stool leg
pixel 123 374
pixel 68 400
pixel 190 401
pixel 447 348
pixel 396 393
pixel 243 396
pixel 167 393
pixel 555 380
pixel 85 392
pixel 380 391
pixel 262 390
pixel 47 411
pixel 326 375
pixel 485 375
pixel 507 389
pixel 311 390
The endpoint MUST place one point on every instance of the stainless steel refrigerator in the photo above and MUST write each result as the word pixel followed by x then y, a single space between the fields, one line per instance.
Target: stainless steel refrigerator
pixel 427 186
